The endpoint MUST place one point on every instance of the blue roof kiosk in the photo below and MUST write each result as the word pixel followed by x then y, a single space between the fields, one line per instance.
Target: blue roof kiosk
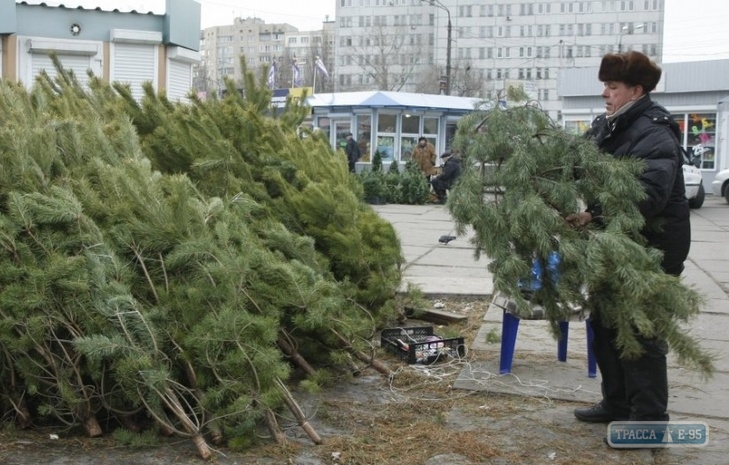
pixel 389 122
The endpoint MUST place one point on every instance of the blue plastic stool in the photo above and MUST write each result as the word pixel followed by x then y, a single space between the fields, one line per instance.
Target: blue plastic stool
pixel 510 328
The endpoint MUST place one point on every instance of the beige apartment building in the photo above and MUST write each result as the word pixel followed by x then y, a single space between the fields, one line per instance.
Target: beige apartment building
pixel 261 45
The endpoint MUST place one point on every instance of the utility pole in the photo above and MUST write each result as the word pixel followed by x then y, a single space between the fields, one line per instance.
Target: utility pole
pixel 438 4
pixel 626 30
pixel 448 55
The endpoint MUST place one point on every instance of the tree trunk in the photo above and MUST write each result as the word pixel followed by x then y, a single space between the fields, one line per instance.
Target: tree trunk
pixel 179 412
pixel 298 413
pixel 92 427
pixel 376 364
pixel 296 357
pixel 273 427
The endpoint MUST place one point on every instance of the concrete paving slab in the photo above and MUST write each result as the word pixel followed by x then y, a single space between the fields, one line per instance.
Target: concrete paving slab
pixel 429 285
pixel 692 396
pixel 711 266
pixel 720 277
pixel 713 291
pixel 453 257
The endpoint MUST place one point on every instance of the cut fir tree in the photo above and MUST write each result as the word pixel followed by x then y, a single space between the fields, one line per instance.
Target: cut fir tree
pixel 529 176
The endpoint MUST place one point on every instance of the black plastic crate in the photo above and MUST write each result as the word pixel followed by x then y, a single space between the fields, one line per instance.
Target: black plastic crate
pixel 418 344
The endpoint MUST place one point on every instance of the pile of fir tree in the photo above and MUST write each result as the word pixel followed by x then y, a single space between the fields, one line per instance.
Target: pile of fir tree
pixel 530 175
pixel 162 264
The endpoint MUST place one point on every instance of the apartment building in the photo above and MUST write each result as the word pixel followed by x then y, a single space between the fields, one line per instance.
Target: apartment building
pixel 222 47
pixel 403 45
pixel 261 45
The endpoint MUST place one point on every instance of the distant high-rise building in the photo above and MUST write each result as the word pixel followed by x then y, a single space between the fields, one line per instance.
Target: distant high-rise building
pixel 403 44
pixel 261 44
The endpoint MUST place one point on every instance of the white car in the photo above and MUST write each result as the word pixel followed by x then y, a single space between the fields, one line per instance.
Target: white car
pixel 693 180
pixel 720 185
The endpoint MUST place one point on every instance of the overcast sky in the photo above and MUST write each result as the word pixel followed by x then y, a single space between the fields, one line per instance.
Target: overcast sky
pixel 694 30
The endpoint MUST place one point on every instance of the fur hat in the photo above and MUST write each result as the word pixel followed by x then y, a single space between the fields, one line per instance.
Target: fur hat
pixel 632 68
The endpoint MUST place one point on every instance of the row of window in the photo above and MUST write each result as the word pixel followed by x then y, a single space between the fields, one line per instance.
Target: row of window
pixel 491 74
pixel 253 37
pixel 531 9
pixel 304 40
pixel 402 59
pixel 486 53
pixel 525 9
pixel 526 30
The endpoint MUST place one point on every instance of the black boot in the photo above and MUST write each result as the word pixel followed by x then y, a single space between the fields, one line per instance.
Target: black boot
pixel 598 413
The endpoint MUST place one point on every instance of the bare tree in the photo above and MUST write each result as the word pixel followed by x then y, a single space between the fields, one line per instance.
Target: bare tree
pixel 466 81
pixel 389 56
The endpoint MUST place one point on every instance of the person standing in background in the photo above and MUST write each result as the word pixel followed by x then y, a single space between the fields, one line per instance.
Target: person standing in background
pixel 424 156
pixel 352 151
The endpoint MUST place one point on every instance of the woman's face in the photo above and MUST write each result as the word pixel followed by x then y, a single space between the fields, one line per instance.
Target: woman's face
pixel 617 94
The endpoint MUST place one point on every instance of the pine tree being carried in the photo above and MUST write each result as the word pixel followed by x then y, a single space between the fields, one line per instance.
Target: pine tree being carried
pixel 532 175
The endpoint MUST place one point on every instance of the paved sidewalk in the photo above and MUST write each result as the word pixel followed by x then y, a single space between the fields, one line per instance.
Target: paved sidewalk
pixel 451 269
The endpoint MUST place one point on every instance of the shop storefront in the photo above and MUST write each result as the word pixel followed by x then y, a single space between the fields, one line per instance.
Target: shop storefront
pixel 389 122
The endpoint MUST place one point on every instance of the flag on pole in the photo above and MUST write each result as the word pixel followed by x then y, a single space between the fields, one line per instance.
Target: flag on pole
pixel 321 68
pixel 297 74
pixel 272 75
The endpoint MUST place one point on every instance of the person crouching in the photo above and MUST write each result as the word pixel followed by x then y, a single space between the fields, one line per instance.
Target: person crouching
pixel 450 171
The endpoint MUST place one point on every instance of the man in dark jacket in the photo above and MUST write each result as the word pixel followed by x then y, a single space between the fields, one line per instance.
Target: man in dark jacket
pixel 450 171
pixel 634 126
pixel 352 151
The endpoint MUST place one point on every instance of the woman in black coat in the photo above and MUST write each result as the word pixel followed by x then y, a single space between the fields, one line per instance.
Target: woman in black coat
pixel 635 126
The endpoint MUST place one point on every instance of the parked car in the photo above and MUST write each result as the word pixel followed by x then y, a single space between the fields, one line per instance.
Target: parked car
pixel 693 180
pixel 720 186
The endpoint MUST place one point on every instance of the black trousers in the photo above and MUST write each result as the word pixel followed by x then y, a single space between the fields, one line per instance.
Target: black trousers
pixel 637 388
pixel 439 187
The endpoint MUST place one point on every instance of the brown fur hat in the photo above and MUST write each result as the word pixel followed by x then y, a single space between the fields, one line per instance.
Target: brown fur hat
pixel 632 68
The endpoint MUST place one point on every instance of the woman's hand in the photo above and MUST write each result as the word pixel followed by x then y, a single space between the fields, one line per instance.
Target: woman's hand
pixel 579 220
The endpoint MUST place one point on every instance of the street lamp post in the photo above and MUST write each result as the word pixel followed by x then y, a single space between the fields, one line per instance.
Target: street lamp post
pixel 626 30
pixel 438 4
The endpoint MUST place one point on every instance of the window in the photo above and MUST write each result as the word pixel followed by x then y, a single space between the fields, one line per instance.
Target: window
pixel 364 131
pixel 386 122
pixel 577 127
pixel 430 126
pixel 698 131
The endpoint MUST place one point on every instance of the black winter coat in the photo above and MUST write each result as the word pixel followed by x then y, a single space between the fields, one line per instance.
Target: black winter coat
pixel 450 171
pixel 352 151
pixel 648 132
